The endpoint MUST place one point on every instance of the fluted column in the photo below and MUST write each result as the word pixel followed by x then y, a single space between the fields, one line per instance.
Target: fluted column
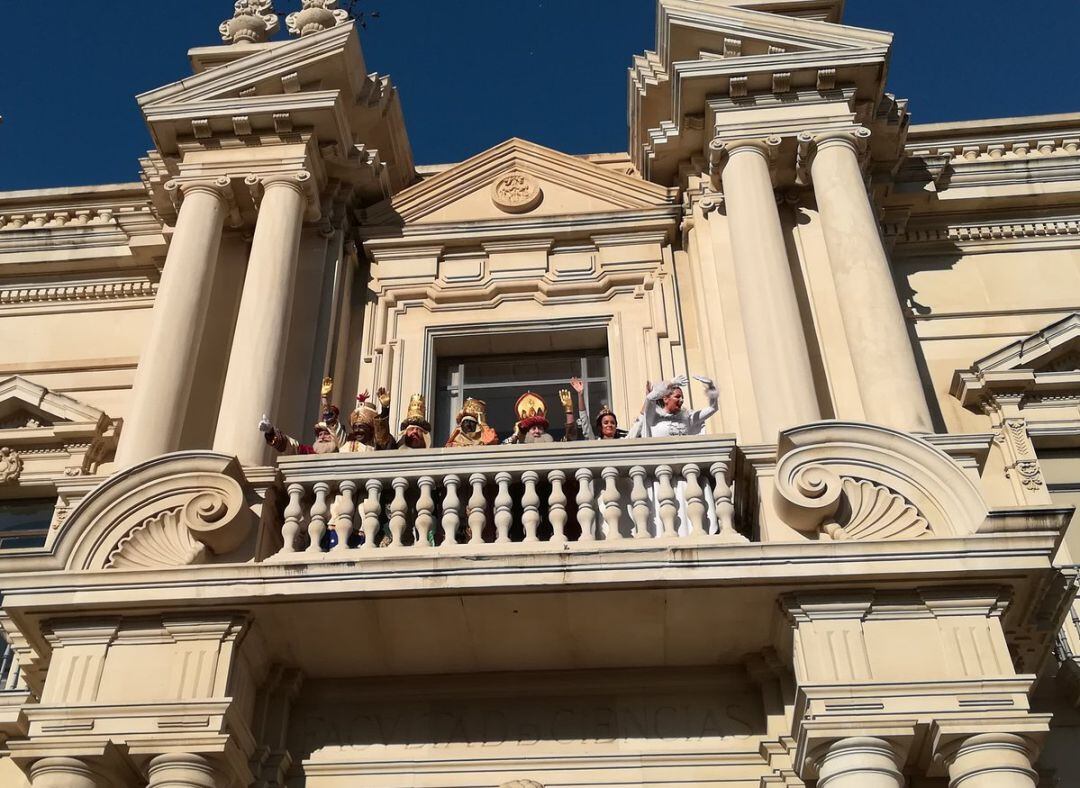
pixel 262 326
pixel 63 773
pixel 993 760
pixel 881 350
pixel 154 421
pixel 779 362
pixel 182 770
pixel 860 762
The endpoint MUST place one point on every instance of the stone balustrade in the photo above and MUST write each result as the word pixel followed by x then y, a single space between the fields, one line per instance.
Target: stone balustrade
pixel 480 499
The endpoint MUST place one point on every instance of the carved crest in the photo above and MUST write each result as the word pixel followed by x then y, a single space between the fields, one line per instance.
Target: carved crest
pixel 11 465
pixel 516 192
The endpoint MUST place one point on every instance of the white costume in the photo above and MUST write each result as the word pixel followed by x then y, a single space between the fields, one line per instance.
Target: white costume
pixel 658 423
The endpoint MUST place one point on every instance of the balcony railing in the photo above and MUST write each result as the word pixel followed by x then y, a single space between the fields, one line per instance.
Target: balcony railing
pixel 596 492
pixel 10 675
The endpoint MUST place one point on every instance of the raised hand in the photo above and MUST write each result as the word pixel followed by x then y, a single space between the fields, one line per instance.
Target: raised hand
pixel 363 396
pixel 707 382
pixel 577 385
pixel 265 426
pixel 567 404
pixel 680 381
pixel 384 396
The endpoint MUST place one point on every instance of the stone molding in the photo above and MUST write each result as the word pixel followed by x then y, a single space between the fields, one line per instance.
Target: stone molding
pixel 94 291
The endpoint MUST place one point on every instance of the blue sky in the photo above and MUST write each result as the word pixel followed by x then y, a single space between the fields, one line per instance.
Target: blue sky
pixel 474 72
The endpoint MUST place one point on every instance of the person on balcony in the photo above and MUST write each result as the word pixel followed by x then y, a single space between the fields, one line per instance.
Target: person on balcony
pixel 664 414
pixel 533 426
pixel 369 427
pixel 604 427
pixel 415 429
pixel 326 430
pixel 472 427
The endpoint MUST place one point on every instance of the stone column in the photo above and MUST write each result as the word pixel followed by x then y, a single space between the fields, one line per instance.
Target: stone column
pixel 262 326
pixel 62 773
pixel 993 760
pixel 779 362
pixel 182 770
pixel 881 350
pixel 154 421
pixel 860 762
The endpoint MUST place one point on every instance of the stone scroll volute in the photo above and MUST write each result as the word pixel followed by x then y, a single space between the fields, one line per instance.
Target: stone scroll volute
pixel 175 510
pixel 852 481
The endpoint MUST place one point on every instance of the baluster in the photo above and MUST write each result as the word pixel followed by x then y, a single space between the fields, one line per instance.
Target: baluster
pixel 372 507
pixel 668 505
pixel 398 510
pixel 586 512
pixel 425 512
pixel 503 516
pixel 557 506
pixel 639 503
pixel 695 500
pixel 477 507
pixel 344 521
pixel 610 498
pixel 451 517
pixel 725 510
pixel 293 512
pixel 530 504
pixel 317 524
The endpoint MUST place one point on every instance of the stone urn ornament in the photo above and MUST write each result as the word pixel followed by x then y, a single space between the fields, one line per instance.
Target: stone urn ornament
pixel 253 22
pixel 315 16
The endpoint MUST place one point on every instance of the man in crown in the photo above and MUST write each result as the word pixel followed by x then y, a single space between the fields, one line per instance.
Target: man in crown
pixel 369 427
pixel 533 426
pixel 472 427
pixel 415 429
pixel 326 437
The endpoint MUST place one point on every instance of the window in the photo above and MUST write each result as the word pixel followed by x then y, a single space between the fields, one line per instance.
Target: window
pixel 500 380
pixel 25 522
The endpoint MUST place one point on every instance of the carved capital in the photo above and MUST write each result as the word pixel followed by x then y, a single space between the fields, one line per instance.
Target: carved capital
pixel 178 189
pixel 300 181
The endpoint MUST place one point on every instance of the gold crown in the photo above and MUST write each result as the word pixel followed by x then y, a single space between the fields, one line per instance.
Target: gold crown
pixel 416 415
pixel 530 405
pixel 476 408
pixel 365 413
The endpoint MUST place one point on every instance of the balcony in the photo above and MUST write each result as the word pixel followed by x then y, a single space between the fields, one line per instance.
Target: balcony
pixel 551 497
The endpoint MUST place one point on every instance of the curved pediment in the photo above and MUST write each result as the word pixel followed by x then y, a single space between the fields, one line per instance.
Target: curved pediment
pixel 175 510
pixel 520 179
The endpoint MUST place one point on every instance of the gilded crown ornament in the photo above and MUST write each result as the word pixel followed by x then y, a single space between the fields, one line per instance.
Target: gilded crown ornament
pixel 416 415
pixel 531 410
pixel 315 16
pixel 253 22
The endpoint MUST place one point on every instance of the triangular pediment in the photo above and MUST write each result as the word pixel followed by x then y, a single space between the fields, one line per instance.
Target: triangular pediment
pixel 1055 348
pixel 477 189
pixel 694 29
pixel 24 404
pixel 1047 361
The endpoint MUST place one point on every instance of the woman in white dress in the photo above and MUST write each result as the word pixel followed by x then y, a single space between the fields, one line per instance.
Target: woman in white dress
pixel 663 416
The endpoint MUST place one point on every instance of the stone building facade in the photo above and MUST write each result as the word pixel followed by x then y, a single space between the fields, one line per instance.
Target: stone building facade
pixel 860 576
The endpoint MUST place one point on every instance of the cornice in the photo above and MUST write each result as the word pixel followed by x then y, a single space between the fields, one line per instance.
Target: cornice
pixel 20 299
pixel 930 234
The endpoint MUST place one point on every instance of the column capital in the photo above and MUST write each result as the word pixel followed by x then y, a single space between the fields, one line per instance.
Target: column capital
pixel 819 740
pixel 220 187
pixel 950 740
pixel 301 181
pixel 855 139
pixel 721 149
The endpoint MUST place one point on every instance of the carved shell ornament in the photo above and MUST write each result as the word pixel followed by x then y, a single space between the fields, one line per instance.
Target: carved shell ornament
pixel 160 542
pixel 516 192
pixel 11 465
pixel 870 511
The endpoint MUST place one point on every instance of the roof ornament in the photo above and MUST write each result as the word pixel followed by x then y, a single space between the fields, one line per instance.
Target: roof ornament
pixel 315 16
pixel 253 22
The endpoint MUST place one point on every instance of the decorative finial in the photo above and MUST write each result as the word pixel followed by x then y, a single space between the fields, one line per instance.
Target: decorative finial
pixel 315 16
pixel 253 22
